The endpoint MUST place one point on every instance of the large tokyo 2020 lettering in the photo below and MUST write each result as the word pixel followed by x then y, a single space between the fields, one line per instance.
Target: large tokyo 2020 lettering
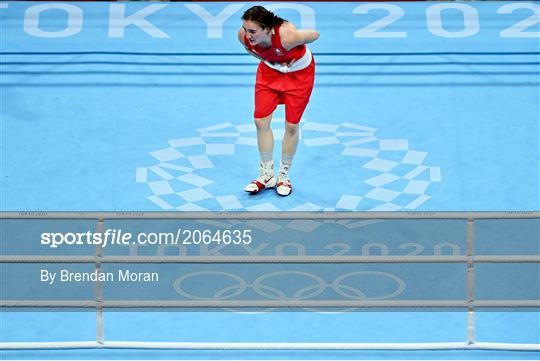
pixel 69 19
pixel 435 20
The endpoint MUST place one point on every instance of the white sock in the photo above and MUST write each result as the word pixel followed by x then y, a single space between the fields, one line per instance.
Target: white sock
pixel 266 157
pixel 267 163
pixel 285 164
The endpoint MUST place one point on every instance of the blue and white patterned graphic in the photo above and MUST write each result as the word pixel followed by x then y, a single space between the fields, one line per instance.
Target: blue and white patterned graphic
pixel 394 176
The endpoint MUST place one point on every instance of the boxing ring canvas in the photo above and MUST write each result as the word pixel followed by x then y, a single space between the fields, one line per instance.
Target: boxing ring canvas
pixel 127 109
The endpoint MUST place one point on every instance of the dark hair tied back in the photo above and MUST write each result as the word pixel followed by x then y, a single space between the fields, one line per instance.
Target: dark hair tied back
pixel 265 18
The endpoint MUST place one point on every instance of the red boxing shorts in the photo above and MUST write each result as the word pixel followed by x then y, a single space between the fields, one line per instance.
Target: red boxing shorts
pixel 293 89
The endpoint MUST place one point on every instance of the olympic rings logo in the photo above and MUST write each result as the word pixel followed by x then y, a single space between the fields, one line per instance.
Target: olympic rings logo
pixel 262 285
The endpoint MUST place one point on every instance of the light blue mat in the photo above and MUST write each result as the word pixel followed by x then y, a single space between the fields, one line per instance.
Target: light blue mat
pixel 111 120
pixel 148 106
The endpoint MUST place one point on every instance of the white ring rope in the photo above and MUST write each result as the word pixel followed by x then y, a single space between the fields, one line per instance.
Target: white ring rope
pixel 270 259
pixel 253 346
pixel 270 215
pixel 283 303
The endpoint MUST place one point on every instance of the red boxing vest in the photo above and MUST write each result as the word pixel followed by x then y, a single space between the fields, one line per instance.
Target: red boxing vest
pixel 276 53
